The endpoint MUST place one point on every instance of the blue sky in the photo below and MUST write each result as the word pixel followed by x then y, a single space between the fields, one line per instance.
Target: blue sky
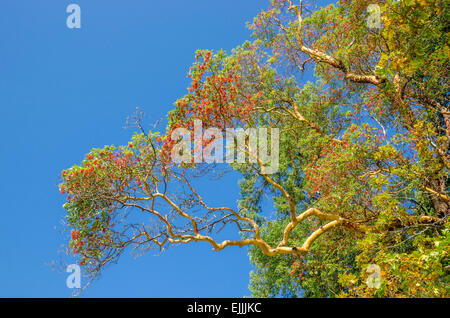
pixel 64 91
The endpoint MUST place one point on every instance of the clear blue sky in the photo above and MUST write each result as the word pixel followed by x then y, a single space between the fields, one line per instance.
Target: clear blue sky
pixel 64 91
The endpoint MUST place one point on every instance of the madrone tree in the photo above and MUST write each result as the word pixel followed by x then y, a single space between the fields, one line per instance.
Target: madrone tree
pixel 364 159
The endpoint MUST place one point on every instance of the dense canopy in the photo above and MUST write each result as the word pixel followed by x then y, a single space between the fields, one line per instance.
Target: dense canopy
pixel 360 197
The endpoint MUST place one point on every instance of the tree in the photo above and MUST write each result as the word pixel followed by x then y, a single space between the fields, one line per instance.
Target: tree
pixel 363 175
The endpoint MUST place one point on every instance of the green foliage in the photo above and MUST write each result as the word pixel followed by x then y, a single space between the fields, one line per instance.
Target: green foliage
pixel 366 142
